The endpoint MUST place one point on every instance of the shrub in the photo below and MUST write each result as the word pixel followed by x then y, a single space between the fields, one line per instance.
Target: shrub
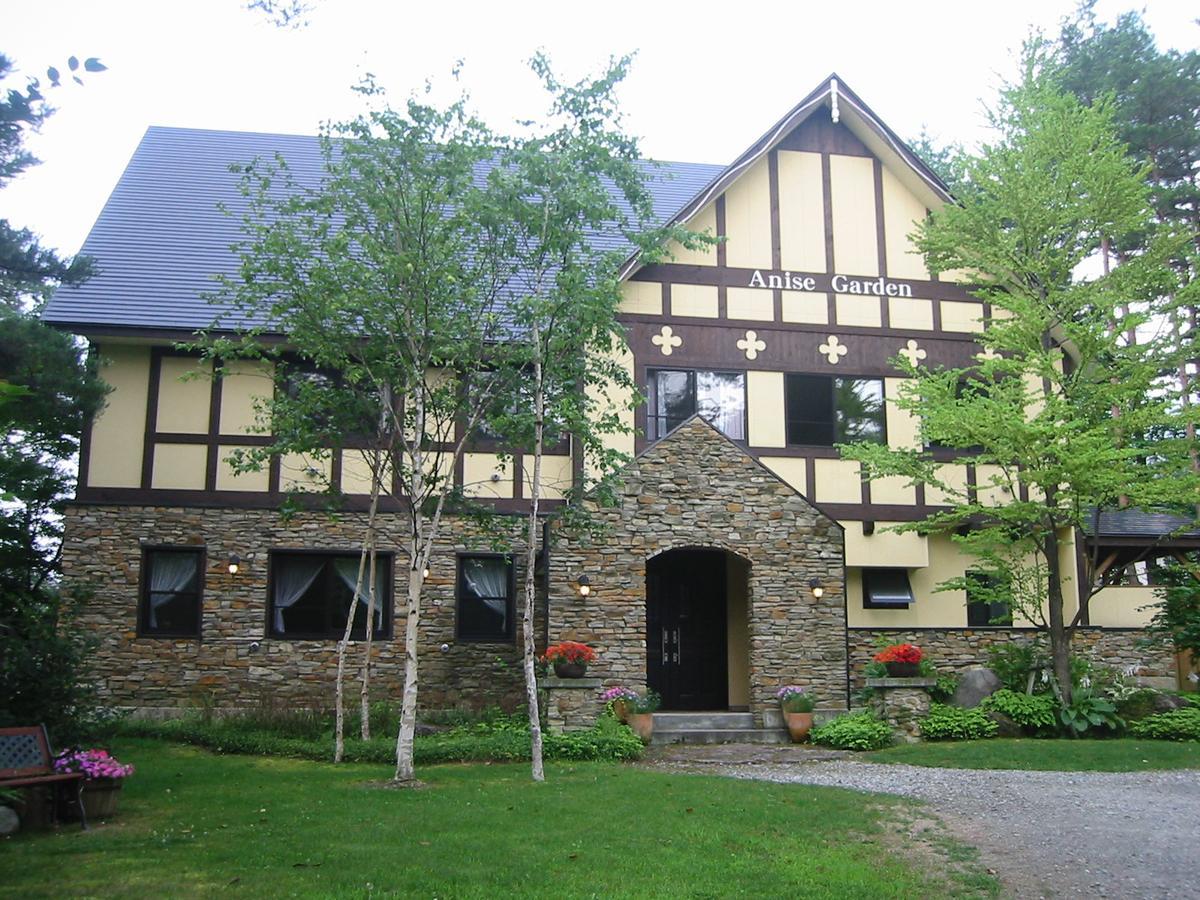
pixel 949 723
pixel 1012 662
pixel 945 687
pixel 1088 711
pixel 503 740
pixel 1034 713
pixel 1136 705
pixel 1176 725
pixel 854 731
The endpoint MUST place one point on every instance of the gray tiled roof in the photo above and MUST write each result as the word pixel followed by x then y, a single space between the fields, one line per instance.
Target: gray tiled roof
pixel 161 239
pixel 1142 524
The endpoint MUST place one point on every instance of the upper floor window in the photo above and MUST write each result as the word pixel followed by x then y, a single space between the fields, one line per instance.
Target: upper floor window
pixel 676 395
pixel 311 593
pixel 824 410
pixel 172 580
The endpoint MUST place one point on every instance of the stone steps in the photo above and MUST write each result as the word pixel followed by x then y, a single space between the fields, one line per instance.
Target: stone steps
pixel 713 728
pixel 725 727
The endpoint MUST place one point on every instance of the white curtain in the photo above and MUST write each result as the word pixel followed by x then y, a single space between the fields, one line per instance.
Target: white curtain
pixel 721 399
pixel 487 579
pixel 291 581
pixel 169 574
pixel 347 570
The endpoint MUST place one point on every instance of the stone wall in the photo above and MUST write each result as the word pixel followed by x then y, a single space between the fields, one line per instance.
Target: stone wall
pixel 234 663
pixel 695 488
pixel 952 650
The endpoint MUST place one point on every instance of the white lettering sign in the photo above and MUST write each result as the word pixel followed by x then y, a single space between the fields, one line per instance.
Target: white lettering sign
pixel 839 284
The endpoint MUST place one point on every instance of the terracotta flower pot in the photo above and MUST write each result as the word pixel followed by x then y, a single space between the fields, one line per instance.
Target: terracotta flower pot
pixel 798 725
pixel 902 669
pixel 642 725
pixel 570 669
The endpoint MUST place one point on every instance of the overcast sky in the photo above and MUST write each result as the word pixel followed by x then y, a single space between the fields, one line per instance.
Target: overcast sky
pixel 709 77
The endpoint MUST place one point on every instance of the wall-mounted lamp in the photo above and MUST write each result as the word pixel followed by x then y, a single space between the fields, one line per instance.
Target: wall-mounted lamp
pixel 814 585
pixel 585 585
pixel 235 563
pixel 425 572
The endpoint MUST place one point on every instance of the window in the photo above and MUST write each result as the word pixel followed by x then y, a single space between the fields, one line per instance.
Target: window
pixel 485 598
pixel 989 601
pixel 676 395
pixel 825 411
pixel 886 589
pixel 311 593
pixel 172 581
pixel 1131 569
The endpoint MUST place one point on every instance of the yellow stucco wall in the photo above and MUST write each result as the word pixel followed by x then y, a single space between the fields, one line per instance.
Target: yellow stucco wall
pixel 486 475
pixel 901 212
pixel 305 471
pixel 765 409
pixel 961 316
pixel 930 609
pixel 903 429
pixel 748 219
pixel 704 221
pixel 838 481
pixel 791 469
pixel 801 211
pixel 179 467
pixel 910 313
pixel 885 549
pixel 556 476
pixel 852 189
pixel 227 480
pixel 245 383
pixel 643 297
pixel 1123 607
pixel 699 300
pixel 803 307
pixel 750 303
pixel 858 310
pixel 184 391
pixel 116 439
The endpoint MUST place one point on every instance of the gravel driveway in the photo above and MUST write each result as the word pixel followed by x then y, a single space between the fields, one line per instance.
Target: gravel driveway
pixel 1046 834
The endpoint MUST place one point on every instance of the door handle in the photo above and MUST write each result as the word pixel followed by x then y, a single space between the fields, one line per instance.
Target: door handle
pixel 676 646
pixel 666 656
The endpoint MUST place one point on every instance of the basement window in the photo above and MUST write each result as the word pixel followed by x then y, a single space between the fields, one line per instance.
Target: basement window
pixel 886 589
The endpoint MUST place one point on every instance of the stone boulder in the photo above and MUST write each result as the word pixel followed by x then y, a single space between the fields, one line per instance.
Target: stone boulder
pixel 1168 702
pixel 1005 727
pixel 973 685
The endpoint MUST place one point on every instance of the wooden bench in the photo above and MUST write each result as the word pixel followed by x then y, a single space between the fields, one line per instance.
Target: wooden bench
pixel 26 761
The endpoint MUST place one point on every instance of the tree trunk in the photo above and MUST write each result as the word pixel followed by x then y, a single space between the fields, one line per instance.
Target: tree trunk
pixel 339 740
pixel 1060 635
pixel 531 687
pixel 365 696
pixel 408 706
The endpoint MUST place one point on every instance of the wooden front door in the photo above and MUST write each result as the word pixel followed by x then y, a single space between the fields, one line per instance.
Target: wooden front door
pixel 686 629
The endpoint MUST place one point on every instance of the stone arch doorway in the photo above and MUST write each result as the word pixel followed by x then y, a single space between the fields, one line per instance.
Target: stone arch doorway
pixel 696 629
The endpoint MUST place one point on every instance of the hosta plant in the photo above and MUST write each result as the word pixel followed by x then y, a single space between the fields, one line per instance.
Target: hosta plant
pixel 1088 711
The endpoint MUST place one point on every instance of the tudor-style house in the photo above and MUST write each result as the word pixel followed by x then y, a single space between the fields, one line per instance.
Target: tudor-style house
pixel 745 553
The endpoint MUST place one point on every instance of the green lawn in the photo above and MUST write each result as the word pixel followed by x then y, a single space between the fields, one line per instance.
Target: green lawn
pixel 1124 755
pixel 196 824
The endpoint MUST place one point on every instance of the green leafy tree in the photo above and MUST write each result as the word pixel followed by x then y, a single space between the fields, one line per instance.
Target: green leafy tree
pixel 1059 403
pixel 1176 621
pixel 579 176
pixel 386 279
pixel 48 390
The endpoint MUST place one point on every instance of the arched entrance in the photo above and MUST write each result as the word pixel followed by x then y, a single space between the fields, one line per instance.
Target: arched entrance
pixel 695 628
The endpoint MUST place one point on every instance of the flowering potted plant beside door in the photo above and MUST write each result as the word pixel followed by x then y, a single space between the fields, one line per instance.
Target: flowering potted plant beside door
pixel 640 716
pixel 569 658
pixel 797 705
pixel 901 660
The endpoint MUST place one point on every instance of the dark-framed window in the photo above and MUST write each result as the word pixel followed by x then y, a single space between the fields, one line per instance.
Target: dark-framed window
pixel 316 392
pixel 484 602
pixel 1133 568
pixel 675 395
pixel 989 601
pixel 886 589
pixel 824 410
pixel 172 591
pixel 309 595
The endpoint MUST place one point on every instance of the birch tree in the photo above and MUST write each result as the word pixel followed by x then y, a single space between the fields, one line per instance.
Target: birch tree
pixel 579 178
pixel 385 275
